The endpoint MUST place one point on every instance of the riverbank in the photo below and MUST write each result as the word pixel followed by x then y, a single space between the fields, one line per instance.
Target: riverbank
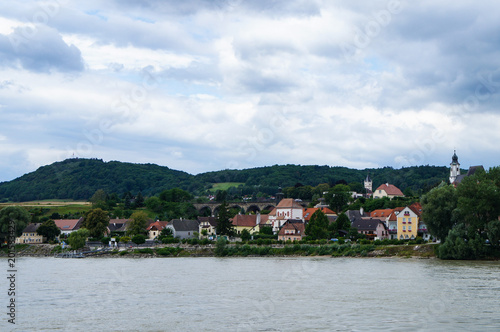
pixel 244 250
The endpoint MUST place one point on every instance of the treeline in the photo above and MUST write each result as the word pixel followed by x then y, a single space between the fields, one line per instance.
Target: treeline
pixel 80 178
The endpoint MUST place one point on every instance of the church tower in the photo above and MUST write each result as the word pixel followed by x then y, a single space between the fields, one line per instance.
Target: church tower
pixel 368 183
pixel 455 167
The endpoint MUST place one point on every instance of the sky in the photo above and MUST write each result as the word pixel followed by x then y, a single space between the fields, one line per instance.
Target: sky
pixel 199 85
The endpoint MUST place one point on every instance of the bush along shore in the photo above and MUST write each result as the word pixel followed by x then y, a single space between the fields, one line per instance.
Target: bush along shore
pixel 225 249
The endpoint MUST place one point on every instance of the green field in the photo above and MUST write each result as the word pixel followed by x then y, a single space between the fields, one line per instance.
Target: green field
pixel 224 185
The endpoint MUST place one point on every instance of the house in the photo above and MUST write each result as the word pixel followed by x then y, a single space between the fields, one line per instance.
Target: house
pixel 392 223
pixel 373 228
pixel 155 229
pixel 184 228
pixel 30 235
pixel 209 224
pixel 292 230
pixel 387 190
pixel 67 226
pixel 286 209
pixel 308 212
pixel 117 226
pixel 408 222
pixel 250 222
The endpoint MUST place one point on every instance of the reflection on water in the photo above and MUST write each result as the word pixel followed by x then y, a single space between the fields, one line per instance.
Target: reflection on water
pixel 256 294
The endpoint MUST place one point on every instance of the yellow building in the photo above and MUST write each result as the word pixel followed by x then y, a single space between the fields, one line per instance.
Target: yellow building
pixel 408 220
pixel 248 222
pixel 30 235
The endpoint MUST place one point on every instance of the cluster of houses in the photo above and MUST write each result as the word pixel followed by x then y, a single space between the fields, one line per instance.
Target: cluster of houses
pixel 287 219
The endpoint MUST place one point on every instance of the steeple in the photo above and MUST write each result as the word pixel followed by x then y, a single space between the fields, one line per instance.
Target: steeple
pixel 455 167
pixel 368 183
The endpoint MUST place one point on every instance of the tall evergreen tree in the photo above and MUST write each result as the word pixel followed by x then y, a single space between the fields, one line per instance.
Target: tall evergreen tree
pixel 317 227
pixel 224 224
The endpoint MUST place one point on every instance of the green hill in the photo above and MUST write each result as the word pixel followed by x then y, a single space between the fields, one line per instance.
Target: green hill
pixel 80 178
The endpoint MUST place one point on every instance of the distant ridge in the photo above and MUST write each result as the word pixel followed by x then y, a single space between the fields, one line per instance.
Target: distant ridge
pixel 79 178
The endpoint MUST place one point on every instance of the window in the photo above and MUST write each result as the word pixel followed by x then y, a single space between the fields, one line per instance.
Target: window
pixel 409 220
pixel 404 228
pixel 409 228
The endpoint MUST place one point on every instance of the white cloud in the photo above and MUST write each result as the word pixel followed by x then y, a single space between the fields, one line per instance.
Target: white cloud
pixel 210 85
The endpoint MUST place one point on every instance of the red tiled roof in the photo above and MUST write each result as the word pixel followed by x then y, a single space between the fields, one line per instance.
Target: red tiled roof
pixel 394 216
pixel 381 213
pixel 157 225
pixel 417 208
pixel 68 224
pixel 289 203
pixel 245 220
pixel 308 212
pixel 264 218
pixel 273 212
pixel 390 189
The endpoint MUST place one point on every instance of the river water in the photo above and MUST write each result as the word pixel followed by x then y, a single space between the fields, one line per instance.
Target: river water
pixel 254 294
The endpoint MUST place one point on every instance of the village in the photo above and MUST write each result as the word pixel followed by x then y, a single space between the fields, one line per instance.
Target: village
pixel 286 222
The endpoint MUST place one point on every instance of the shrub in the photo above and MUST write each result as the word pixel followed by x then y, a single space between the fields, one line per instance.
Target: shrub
pixel 105 240
pixel 144 251
pixel 125 239
pixel 139 239
pixel 168 251
pixel 220 249
pixel 124 252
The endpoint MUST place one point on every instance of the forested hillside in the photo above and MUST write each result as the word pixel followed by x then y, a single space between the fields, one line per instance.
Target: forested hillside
pixel 418 178
pixel 80 178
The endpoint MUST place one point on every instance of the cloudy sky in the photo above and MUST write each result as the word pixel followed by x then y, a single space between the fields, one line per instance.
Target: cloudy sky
pixel 200 85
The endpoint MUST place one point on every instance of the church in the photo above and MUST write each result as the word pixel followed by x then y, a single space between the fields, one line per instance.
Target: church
pixel 455 176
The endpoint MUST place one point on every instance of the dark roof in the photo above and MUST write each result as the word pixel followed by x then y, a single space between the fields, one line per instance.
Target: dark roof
pixel 474 169
pixel 354 215
pixel 184 225
pixel 367 224
pixel 31 228
pixel 454 158
pixel 211 220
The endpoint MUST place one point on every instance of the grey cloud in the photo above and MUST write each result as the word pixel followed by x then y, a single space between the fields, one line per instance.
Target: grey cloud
pixel 42 51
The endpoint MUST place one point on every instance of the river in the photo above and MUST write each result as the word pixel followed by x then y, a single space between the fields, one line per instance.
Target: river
pixel 254 294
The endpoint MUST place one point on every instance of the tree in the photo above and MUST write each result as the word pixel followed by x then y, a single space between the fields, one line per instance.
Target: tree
pixel 98 200
pixel 49 229
pixel 317 227
pixel 167 231
pixel 342 223
pixel 13 216
pixel 77 239
pixel 139 200
pixel 224 224
pixel 338 197
pixel 479 199
pixel 138 223
pixel 175 195
pixel 462 244
pixel 96 221
pixel 438 207
pixel 154 204
pixel 245 235
pixel 493 231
